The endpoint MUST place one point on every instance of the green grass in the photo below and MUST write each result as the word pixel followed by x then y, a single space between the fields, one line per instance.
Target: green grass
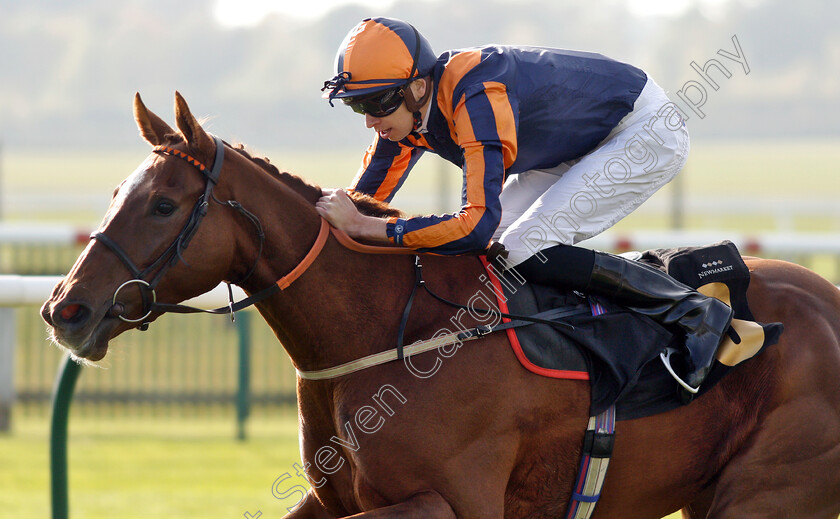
pixel 137 469
pixel 132 468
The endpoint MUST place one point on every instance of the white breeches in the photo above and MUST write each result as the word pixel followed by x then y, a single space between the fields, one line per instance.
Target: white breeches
pixel 579 199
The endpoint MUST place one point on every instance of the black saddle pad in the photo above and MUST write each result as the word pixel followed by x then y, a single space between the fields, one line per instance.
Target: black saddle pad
pixel 618 350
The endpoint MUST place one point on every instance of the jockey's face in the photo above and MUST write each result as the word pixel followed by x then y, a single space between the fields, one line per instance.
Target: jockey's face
pixel 393 127
pixel 398 125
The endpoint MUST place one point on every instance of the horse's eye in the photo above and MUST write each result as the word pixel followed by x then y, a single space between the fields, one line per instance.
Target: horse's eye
pixel 164 208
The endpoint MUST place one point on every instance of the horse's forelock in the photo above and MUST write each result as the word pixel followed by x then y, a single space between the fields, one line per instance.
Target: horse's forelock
pixel 173 139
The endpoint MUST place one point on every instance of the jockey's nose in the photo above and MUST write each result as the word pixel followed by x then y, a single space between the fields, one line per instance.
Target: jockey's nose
pixel 370 120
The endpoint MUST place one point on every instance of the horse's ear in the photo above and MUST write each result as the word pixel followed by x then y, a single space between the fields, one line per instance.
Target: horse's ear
pixel 152 128
pixel 193 133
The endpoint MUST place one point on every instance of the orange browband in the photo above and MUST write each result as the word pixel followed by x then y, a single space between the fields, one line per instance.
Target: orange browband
pixel 178 153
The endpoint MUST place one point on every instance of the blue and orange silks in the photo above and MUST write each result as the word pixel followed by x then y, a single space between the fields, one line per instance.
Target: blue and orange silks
pixel 499 111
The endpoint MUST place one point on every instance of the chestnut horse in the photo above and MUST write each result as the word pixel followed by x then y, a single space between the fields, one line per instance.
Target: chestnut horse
pixel 477 436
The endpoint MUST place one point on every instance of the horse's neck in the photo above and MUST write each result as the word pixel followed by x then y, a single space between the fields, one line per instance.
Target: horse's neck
pixel 342 307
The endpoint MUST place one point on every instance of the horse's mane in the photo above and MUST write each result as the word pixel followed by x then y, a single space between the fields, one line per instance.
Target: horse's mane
pixel 373 207
pixel 365 204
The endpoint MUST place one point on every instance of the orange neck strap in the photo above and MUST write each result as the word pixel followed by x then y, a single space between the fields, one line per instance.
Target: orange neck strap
pixel 344 240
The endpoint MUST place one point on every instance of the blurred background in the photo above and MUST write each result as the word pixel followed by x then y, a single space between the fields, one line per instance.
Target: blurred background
pixel 196 417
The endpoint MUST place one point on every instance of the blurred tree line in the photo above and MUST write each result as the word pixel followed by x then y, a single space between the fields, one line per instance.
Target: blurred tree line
pixel 70 69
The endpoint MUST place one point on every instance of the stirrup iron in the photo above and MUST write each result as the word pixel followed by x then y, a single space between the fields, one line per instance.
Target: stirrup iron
pixel 666 359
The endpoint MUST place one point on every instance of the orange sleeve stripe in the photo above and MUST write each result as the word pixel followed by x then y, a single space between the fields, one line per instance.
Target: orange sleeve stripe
pixel 455 69
pixel 395 174
pixel 445 232
pixel 396 170
pixel 505 120
pixel 463 224
pixel 365 161
pixel 473 156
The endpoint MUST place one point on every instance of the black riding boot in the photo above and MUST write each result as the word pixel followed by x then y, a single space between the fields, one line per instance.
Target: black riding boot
pixel 653 293
pixel 642 289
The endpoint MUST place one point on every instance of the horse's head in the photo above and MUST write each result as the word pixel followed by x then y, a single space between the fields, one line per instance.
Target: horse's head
pixel 139 254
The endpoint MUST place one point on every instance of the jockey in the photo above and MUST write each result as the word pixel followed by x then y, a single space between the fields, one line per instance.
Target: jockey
pixel 556 146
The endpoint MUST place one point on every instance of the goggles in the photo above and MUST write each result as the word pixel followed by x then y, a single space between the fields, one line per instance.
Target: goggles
pixel 380 104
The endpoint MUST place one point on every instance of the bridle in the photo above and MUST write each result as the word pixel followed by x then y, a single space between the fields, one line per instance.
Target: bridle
pixel 173 254
pixel 148 278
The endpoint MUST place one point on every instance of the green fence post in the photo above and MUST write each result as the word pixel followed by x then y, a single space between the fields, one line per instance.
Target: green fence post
pixel 243 392
pixel 62 397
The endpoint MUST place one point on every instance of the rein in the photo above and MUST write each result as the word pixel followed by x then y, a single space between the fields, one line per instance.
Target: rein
pixel 552 317
pixel 174 253
pixel 281 284
pixel 285 282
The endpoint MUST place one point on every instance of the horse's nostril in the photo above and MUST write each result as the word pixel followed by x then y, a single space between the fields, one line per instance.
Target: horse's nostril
pixel 69 311
pixel 72 313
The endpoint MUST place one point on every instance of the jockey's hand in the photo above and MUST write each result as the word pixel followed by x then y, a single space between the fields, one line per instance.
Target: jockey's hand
pixel 337 208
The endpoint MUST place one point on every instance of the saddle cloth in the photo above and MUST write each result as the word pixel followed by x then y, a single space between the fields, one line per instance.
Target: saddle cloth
pixel 618 350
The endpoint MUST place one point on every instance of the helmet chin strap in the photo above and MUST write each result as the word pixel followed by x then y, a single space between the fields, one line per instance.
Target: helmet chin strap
pixel 415 105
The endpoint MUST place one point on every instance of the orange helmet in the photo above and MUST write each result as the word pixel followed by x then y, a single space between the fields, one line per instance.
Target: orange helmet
pixel 379 54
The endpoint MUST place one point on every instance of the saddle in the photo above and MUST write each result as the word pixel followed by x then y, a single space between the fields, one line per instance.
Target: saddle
pixel 624 355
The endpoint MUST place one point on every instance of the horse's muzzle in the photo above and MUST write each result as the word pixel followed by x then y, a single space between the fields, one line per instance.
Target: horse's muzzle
pixel 67 318
pixel 77 328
